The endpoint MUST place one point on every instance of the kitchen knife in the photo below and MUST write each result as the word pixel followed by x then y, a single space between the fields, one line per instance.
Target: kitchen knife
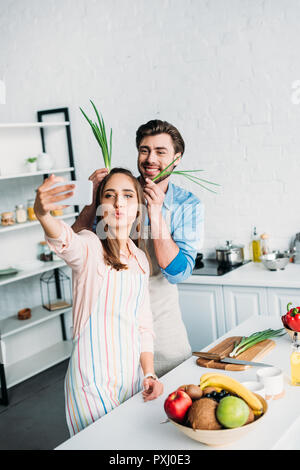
pixel 230 360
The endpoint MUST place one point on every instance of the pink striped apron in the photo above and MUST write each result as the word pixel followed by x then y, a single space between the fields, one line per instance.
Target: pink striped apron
pixel 104 368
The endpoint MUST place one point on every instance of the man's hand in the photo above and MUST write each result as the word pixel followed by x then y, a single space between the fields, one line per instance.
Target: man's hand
pixel 96 179
pixel 154 197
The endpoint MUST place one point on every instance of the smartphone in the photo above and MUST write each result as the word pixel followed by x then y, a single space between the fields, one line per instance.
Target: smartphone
pixel 83 193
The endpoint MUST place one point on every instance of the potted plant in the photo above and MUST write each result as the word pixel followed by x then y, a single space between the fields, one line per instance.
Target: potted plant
pixel 31 164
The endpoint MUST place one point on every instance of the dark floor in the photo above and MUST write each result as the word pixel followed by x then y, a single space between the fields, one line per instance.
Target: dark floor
pixel 35 416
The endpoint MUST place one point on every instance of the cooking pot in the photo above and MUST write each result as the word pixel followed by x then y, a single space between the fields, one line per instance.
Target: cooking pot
pixel 230 254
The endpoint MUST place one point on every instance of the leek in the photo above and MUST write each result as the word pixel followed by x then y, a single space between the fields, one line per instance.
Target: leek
pixel 187 174
pixel 248 342
pixel 99 132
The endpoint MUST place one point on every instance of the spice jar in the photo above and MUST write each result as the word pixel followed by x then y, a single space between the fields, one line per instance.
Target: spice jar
pixel 30 210
pixel 45 252
pixel 7 218
pixel 21 215
pixel 56 212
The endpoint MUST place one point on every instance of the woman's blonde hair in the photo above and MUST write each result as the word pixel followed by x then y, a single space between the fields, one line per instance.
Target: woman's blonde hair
pixel 111 245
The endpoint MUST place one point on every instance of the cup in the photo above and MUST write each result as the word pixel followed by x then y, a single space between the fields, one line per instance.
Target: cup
pixel 272 379
pixel 256 387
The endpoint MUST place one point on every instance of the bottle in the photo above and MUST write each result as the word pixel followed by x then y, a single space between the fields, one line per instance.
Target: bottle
pixel 21 215
pixel 256 250
pixel 265 249
pixel 295 360
pixel 30 210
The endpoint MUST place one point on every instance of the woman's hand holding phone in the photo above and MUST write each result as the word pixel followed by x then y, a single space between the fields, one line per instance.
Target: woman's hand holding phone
pixel 46 198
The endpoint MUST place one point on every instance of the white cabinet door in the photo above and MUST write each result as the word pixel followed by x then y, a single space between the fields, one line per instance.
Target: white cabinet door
pixel 241 303
pixel 278 298
pixel 202 312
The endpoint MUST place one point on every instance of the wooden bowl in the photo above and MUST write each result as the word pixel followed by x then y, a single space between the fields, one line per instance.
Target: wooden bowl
pixel 222 437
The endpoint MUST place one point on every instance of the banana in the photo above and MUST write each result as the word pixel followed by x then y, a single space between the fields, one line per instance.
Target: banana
pixel 233 386
pixel 209 374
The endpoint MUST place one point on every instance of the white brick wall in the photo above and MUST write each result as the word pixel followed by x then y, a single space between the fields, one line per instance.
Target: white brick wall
pixel 221 71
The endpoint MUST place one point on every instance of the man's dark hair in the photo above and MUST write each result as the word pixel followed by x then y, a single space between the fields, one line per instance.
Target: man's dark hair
pixel 155 127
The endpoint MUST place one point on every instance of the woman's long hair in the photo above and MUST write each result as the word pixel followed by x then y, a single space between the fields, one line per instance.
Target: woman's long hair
pixel 111 245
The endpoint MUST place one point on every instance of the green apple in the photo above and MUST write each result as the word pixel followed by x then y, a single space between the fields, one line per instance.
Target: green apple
pixel 232 412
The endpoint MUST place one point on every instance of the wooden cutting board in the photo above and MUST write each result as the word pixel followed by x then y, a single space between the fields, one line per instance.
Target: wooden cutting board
pixel 255 353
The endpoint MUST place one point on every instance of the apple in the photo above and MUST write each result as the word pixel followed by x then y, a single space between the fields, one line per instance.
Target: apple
pixel 177 404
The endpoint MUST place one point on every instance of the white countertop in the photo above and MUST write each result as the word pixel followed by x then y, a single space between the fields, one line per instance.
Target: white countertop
pixel 136 425
pixel 253 274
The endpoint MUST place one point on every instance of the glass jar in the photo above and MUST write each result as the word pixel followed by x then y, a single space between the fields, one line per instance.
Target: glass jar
pixel 295 360
pixel 56 212
pixel 30 210
pixel 45 252
pixel 21 215
pixel 7 218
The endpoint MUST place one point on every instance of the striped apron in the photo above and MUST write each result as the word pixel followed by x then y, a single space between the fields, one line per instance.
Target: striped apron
pixel 104 368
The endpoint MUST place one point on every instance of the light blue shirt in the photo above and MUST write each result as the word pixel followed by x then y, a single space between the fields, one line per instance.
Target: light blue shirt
pixel 184 215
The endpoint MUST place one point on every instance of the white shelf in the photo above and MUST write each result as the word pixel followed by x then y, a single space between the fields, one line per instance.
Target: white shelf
pixel 33 124
pixel 12 325
pixel 26 368
pixel 23 274
pixel 9 228
pixel 35 173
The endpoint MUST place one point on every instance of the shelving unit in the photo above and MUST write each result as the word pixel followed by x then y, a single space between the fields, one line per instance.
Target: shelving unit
pixel 35 173
pixel 12 373
pixel 10 228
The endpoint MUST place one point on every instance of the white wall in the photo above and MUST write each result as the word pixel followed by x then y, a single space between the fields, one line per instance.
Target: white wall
pixel 221 71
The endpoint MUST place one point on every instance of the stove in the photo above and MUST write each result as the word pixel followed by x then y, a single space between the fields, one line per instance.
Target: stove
pixel 211 267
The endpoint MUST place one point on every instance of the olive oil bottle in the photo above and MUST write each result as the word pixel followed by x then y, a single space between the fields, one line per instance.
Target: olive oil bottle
pixel 256 248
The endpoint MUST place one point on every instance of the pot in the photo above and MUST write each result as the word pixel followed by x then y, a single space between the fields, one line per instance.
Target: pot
pixel 230 254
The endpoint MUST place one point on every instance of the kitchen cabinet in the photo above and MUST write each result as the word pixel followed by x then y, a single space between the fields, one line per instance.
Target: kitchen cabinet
pixel 202 313
pixel 279 298
pixel 30 346
pixel 212 305
pixel 240 303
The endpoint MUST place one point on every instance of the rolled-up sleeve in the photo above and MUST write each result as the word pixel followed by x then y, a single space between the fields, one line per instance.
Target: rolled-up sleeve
pixel 188 234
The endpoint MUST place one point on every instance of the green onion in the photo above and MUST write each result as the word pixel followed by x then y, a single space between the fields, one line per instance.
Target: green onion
pixel 248 342
pixel 187 174
pixel 100 135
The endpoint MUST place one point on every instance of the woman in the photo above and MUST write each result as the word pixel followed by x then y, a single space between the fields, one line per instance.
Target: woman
pixel 112 355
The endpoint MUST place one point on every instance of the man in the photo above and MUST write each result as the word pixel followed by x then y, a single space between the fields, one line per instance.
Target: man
pixel 175 222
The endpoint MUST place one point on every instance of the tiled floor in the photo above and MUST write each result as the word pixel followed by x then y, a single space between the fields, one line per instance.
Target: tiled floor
pixel 35 416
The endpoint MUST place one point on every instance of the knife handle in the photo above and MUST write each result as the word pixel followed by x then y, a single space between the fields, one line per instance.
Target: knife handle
pixel 207 355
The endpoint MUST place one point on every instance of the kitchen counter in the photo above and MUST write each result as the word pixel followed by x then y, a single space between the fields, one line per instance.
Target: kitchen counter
pixel 137 425
pixel 253 274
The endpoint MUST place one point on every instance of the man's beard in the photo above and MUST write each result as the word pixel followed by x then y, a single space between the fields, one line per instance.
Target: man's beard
pixel 161 178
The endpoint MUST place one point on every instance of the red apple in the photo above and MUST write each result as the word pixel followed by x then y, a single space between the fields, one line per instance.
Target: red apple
pixel 177 404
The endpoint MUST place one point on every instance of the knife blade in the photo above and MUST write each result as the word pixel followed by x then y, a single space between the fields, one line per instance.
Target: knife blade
pixel 230 360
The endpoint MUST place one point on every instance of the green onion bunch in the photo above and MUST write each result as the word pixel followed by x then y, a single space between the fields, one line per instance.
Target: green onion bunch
pixel 100 134
pixel 187 174
pixel 248 342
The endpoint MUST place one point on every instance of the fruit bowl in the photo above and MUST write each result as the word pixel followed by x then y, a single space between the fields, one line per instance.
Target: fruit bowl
pixel 222 437
pixel 291 333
